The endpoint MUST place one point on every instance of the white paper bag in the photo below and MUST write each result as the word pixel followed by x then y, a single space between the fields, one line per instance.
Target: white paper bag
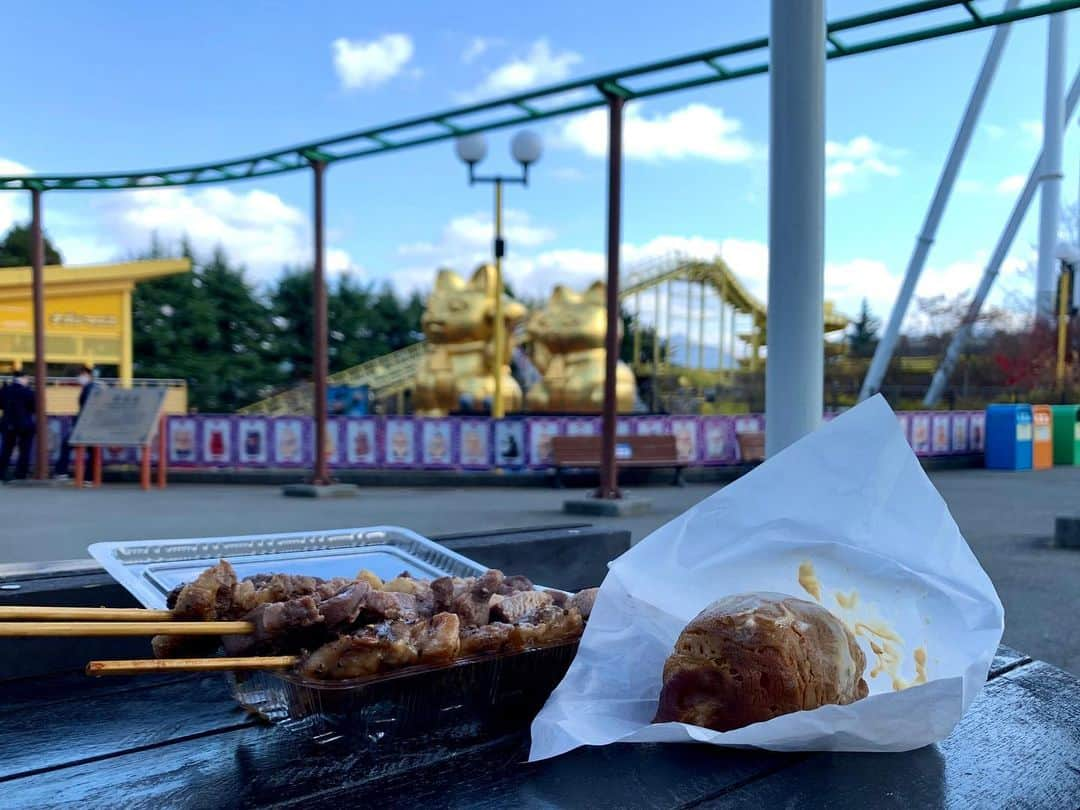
pixel 852 500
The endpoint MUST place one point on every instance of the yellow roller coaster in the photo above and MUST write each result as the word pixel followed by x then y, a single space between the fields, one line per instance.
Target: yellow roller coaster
pixel 712 292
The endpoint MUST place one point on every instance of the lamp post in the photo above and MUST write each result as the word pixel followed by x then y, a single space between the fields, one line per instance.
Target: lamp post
pixel 526 149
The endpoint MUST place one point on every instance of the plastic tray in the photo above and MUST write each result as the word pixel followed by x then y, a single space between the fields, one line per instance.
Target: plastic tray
pixel 149 569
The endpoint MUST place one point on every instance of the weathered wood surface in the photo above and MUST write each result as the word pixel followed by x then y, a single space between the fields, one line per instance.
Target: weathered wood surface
pixel 70 741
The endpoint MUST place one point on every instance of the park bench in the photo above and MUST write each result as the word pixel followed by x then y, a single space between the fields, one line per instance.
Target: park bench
pixel 583 452
pixel 182 741
pixel 751 446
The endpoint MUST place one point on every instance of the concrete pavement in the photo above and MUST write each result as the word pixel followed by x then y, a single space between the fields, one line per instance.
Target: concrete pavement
pixel 1007 519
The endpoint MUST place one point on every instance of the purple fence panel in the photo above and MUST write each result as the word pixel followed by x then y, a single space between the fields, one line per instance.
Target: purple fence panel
pixel 474 444
pixel 400 445
pixel 718 443
pixel 290 442
pixel 361 442
pixel 977 431
pixel 541 430
pixel 920 433
pixel 687 432
pixel 959 428
pixel 253 441
pixel 183 441
pixel 438 441
pixel 217 441
pixel 939 435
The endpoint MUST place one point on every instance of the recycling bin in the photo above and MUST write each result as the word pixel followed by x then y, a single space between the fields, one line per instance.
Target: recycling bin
pixel 1008 437
pixel 1042 438
pixel 1066 434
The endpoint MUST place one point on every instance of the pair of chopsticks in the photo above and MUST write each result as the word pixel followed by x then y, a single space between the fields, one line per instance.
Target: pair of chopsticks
pixel 17 621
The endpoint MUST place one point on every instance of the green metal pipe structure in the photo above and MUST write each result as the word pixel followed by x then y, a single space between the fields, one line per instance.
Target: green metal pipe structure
pixel 547 102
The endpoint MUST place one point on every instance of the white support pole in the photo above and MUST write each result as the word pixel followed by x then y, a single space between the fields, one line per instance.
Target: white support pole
pixel 887 345
pixel 1001 250
pixel 1050 208
pixel 795 371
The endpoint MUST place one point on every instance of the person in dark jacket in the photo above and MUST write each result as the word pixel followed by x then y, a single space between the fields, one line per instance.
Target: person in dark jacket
pixel 86 380
pixel 16 424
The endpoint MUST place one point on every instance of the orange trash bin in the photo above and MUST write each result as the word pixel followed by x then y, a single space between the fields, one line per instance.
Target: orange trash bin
pixel 1042 445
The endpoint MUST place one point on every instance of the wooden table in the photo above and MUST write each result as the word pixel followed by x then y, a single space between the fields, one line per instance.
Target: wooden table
pixel 67 740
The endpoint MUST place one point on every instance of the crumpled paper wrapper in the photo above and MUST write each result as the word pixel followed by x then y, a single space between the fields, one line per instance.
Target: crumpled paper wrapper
pixel 851 500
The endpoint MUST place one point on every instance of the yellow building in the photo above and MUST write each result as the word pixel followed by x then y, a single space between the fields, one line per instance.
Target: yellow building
pixel 87 313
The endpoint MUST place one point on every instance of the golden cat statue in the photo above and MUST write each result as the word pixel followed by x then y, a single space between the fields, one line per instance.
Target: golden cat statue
pixel 568 348
pixel 457 372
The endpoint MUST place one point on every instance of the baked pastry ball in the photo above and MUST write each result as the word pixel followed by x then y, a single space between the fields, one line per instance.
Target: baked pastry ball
pixel 753 656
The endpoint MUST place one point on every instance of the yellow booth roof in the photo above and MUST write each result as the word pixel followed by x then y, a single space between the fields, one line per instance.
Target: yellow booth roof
pixel 88 278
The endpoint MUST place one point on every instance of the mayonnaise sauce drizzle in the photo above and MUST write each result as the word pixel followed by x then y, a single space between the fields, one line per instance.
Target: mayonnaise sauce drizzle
pixel 885 643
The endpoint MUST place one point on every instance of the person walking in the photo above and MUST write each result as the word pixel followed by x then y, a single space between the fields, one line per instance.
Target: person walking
pixel 89 385
pixel 16 424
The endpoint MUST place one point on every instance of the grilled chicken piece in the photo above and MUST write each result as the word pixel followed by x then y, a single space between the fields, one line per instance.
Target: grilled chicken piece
pixel 276 626
pixel 383 605
pixel 549 625
pixel 519 607
pixel 343 609
pixel 485 640
pixel 559 598
pixel 260 590
pixel 374 580
pixel 584 601
pixel 513 584
pixel 447 589
pixel 419 588
pixel 210 596
pixel 183 646
pixel 332 587
pixel 438 640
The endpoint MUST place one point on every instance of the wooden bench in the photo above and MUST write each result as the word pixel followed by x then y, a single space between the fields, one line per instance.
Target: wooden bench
pixel 751 447
pixel 583 452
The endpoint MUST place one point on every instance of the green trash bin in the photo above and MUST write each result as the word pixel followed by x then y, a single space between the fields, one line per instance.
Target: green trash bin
pixel 1066 434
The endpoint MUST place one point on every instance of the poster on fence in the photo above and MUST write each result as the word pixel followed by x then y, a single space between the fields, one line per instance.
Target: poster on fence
pixel 510 443
pixel 752 423
pixel 583 426
pixel 685 430
pixel 960 423
pixel 541 432
pixel 400 443
pixel 217 441
pixel 904 420
pixel 624 426
pixel 473 444
pixel 977 431
pixel 333 441
pixel 920 432
pixel 360 442
pixel 940 441
pixel 182 440
pixel 437 443
pixel 651 426
pixel 288 442
pixel 252 441
pixel 719 440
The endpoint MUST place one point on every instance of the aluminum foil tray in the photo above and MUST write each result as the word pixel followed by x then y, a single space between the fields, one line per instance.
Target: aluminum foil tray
pixel 149 569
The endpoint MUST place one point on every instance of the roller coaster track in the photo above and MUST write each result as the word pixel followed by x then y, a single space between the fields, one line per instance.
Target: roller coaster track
pixel 393 373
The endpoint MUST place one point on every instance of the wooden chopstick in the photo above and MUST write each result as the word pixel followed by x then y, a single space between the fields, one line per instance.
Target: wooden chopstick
pixel 105 614
pixel 32 629
pixel 141 666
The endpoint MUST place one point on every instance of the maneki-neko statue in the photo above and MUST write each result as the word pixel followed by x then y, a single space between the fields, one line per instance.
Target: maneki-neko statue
pixel 457 373
pixel 568 348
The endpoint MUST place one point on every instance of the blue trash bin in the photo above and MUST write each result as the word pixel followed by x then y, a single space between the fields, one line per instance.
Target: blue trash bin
pixel 1008 437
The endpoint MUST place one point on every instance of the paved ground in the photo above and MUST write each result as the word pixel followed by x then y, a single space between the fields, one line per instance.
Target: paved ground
pixel 1006 517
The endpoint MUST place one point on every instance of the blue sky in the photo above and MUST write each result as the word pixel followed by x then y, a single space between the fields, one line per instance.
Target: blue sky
pixel 127 85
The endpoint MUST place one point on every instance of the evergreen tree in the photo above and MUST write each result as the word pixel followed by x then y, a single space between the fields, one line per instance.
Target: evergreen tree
pixel 863 337
pixel 15 248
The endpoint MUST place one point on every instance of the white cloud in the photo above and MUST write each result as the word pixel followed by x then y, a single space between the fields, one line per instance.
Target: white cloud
pixel 476 48
pixel 995 131
pixel 1011 184
pixel 694 131
pixel 366 64
pixel 1033 129
pixel 541 65
pixel 13 205
pixel 849 166
pixel 257 229
pixel 966 186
